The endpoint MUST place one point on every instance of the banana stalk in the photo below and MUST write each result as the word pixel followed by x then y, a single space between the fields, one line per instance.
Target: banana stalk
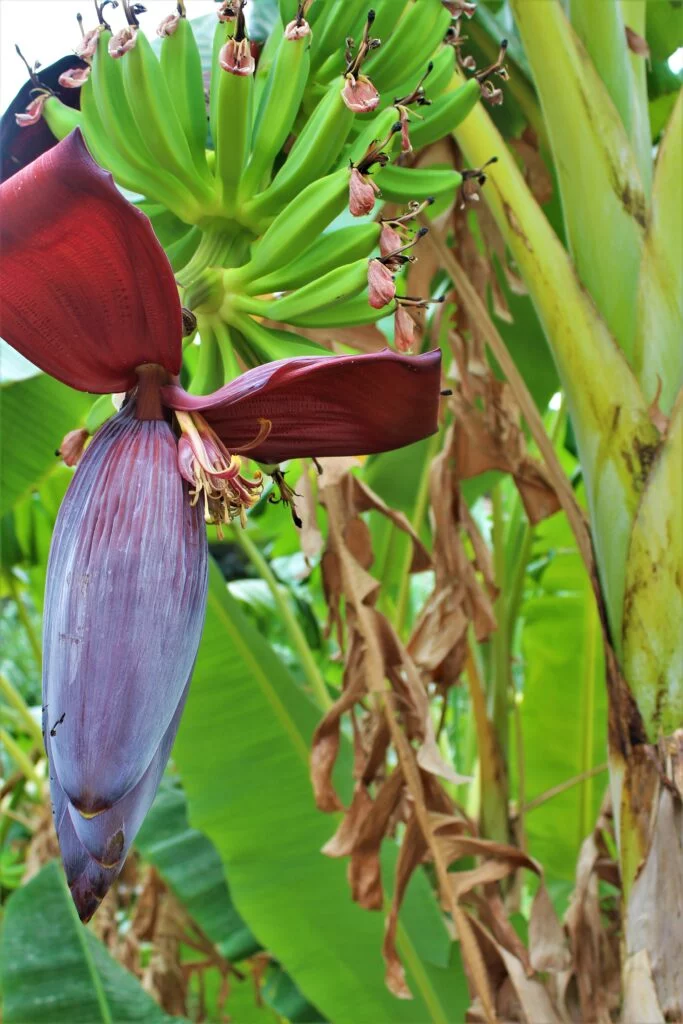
pixel 616 439
pixel 602 190
pixel 658 350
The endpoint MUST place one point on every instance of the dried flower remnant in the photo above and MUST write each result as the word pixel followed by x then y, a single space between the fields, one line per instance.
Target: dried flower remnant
pixel 362 194
pixel 359 94
pixel 74 78
pixel 122 42
pixel 381 287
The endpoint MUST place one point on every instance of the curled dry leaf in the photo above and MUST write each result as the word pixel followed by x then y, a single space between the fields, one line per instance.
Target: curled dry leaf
pixel 491 438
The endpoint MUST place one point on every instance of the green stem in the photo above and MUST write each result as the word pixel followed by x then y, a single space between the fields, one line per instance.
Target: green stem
pixel 24 619
pixel 20 758
pixel 419 512
pixel 499 694
pixel 296 635
pixel 17 702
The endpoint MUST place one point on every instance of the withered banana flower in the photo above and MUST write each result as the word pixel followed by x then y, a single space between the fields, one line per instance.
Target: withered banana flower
pixel 88 295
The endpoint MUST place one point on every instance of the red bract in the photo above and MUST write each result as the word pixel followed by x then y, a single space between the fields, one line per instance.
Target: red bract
pixel 89 296
pixel 87 292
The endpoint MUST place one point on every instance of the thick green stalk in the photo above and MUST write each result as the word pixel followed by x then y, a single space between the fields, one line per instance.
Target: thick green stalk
pixel 615 436
pixel 653 618
pixel 603 200
pixel 658 350
pixel 633 17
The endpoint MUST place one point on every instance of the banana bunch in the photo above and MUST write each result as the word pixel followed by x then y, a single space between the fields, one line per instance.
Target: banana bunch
pixel 244 188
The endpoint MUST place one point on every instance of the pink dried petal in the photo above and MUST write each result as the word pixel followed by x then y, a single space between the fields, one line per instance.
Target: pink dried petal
pixel 359 94
pixel 88 44
pixel 361 194
pixel 122 42
pixel 404 330
pixel 297 30
pixel 389 240
pixel 33 112
pixel 74 78
pixel 236 58
pixel 381 287
pixel 72 446
pixel 168 25
pixel 406 145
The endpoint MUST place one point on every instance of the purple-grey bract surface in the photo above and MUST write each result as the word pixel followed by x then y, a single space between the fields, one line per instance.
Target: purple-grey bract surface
pixel 124 610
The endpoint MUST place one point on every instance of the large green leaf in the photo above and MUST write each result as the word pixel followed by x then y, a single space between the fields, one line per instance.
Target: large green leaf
pixel 564 710
pixel 192 868
pixel 35 414
pixel 243 751
pixel 54 971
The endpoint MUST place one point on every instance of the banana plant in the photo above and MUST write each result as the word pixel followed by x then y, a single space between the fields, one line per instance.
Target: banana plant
pixel 611 303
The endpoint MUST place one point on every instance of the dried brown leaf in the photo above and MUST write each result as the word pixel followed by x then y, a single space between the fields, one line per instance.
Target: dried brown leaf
pixel 547 942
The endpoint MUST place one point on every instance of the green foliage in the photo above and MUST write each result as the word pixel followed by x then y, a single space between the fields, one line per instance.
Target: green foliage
pixel 259 740
pixel 54 971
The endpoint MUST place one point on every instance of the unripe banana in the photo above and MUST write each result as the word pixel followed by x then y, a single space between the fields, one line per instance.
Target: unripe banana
pixel 102 143
pixel 314 152
pixel 297 226
pixel 333 249
pixel 351 313
pixel 278 108
pixel 412 42
pixel 59 118
pixel 233 78
pixel 336 21
pixel 261 344
pixel 181 64
pixel 402 184
pixel 155 115
pixel 334 287
pixel 445 114
pixel 111 129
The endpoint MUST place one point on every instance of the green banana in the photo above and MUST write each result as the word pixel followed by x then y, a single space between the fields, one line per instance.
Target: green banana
pixel 414 39
pixel 437 82
pixel 371 132
pixel 331 250
pixel 224 30
pixel 402 184
pixel 445 114
pixel 99 412
pixel 350 313
pixel 335 286
pixel 231 129
pixel 102 143
pixel 298 225
pixel 261 344
pixel 277 110
pixel 111 129
pixel 155 115
pixel 335 22
pixel 314 152
pixel 181 64
pixel 59 118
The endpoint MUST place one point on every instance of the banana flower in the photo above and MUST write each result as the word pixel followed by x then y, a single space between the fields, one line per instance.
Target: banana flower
pixel 89 297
